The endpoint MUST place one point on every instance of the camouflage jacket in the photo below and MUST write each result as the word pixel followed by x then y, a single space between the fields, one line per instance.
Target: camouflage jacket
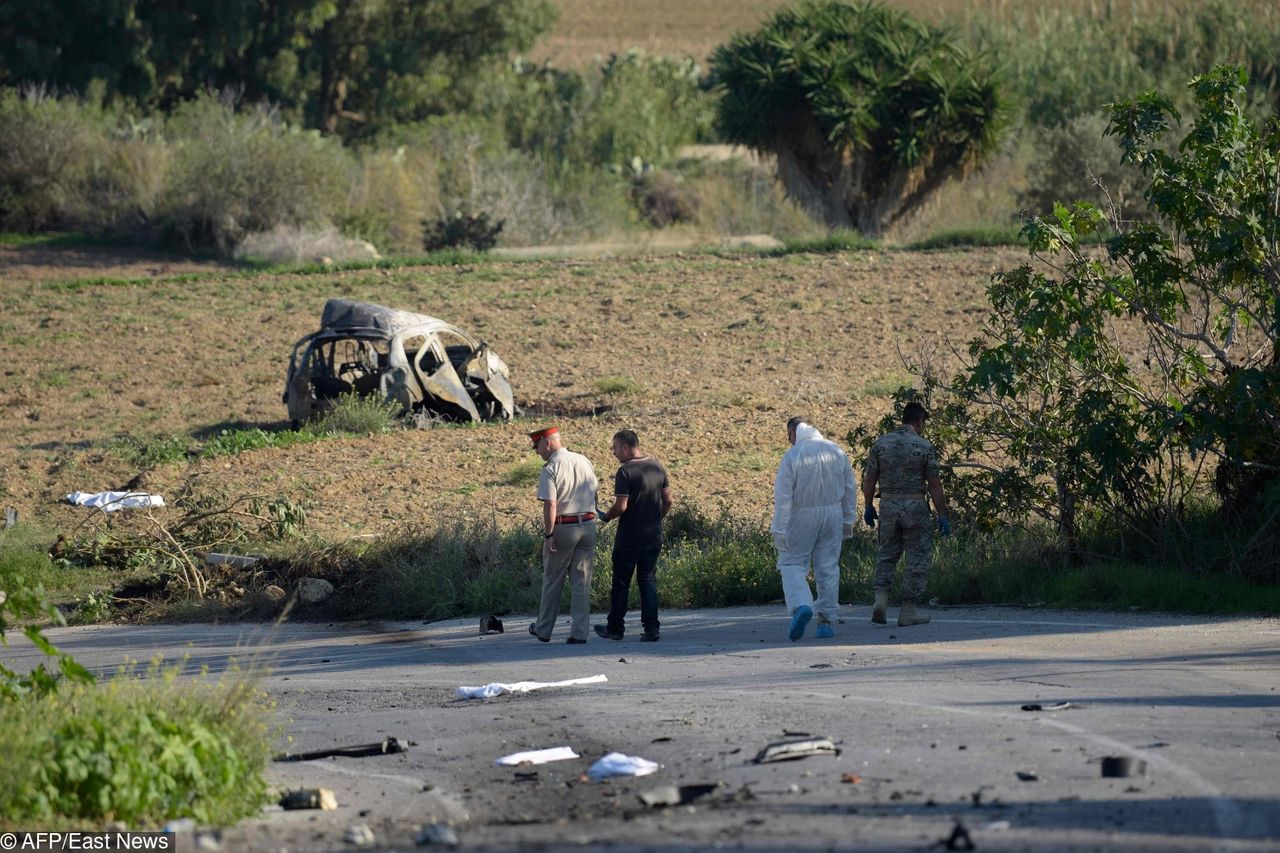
pixel 901 461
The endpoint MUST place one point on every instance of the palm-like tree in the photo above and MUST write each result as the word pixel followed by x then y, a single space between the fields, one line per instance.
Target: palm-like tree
pixel 868 110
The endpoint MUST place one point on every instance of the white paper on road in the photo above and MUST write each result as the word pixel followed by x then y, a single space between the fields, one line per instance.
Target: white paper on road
pixel 617 764
pixel 496 688
pixel 537 756
pixel 112 501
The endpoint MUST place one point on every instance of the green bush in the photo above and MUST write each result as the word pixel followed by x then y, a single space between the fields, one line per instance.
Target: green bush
pixel 1076 161
pixel 48 148
pixel 137 750
pixel 356 415
pixel 240 171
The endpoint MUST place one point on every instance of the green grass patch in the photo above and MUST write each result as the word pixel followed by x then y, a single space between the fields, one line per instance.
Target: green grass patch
pixel 523 473
pixel 147 452
pixel 49 240
pixel 141 750
pixel 621 385
pixel 835 241
pixel 980 235
pixel 229 442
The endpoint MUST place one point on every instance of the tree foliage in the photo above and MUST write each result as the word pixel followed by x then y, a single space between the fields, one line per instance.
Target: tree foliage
pixel 868 110
pixel 343 65
pixel 1052 416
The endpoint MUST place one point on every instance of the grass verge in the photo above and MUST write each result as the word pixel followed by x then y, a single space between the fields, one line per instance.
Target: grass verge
pixel 141 750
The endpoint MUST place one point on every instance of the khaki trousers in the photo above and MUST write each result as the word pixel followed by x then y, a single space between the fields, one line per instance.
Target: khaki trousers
pixel 572 559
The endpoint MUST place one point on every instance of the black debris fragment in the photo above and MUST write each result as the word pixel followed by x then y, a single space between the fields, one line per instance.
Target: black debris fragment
pixel 490 624
pixel 1122 767
pixel 958 839
pixel 1056 706
pixel 793 749
pixel 1028 776
pixel 387 746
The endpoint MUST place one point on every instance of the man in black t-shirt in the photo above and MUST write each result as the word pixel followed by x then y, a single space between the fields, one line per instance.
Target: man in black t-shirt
pixel 642 497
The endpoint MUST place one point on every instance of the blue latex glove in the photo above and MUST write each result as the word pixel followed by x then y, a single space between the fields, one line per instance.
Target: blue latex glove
pixel 944 526
pixel 869 515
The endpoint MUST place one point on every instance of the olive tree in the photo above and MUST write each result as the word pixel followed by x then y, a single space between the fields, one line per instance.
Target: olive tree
pixel 868 110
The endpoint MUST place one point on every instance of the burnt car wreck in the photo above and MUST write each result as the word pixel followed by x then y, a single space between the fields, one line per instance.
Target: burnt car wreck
pixel 424 364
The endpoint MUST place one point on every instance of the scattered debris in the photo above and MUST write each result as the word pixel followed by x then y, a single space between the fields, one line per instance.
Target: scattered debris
pixel 488 691
pixel 617 764
pixel 851 779
pixel 670 795
pixel 789 750
pixel 360 835
pixel 1122 767
pixel 235 561
pixel 1057 706
pixel 1028 776
pixel 386 746
pixel 995 826
pixel 490 624
pixel 958 839
pixel 309 798
pixel 437 833
pixel 537 756
pixel 113 501
pixel 314 590
pixel 526 775
pixel 1157 745
pixel 424 364
pixel 663 739
pixel 819 666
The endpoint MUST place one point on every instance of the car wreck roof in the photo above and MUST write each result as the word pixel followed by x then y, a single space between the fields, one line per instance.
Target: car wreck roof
pixel 348 316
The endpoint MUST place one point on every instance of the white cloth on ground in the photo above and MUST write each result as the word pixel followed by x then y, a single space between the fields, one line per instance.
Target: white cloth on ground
pixel 617 764
pixel 488 691
pixel 537 756
pixel 112 501
pixel 814 497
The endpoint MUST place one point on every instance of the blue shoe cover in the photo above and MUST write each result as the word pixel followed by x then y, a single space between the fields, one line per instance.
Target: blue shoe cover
pixel 800 621
pixel 824 632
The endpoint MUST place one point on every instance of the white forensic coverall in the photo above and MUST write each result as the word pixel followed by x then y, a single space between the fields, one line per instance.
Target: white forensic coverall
pixel 814 498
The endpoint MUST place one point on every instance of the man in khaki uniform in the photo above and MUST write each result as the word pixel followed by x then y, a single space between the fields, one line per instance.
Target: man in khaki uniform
pixel 903 464
pixel 567 489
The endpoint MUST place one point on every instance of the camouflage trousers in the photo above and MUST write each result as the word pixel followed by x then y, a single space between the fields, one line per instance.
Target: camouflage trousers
pixel 905 524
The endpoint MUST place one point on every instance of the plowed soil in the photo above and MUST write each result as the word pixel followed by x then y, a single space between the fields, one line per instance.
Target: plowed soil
pixel 705 356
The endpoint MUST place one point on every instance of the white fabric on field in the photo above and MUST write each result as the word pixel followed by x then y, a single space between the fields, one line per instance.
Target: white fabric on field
pixel 488 691
pixel 617 764
pixel 537 756
pixel 814 497
pixel 112 501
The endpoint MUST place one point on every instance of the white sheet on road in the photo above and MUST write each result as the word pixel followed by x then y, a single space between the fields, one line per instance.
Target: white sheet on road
pixel 617 764
pixel 537 756
pixel 490 690
pixel 112 501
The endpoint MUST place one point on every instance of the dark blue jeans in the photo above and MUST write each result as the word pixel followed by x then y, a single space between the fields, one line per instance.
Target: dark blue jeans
pixel 643 563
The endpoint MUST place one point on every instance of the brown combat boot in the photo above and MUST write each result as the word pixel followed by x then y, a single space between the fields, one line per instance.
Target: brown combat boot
pixel 907 615
pixel 882 604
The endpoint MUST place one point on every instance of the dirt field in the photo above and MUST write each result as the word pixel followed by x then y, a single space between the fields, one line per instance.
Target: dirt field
pixel 720 352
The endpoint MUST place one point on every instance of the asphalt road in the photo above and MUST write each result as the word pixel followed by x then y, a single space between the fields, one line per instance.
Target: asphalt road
pixel 928 720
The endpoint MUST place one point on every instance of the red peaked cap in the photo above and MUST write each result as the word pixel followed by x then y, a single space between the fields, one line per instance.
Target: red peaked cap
pixel 545 432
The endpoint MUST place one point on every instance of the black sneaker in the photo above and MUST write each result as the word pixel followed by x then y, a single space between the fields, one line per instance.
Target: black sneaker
pixel 649 637
pixel 535 633
pixel 575 641
pixel 603 631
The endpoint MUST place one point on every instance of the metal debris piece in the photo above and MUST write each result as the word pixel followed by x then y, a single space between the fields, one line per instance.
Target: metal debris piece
pixel 1122 767
pixel 1056 706
pixel 385 747
pixel 788 750
pixel 360 835
pixel 490 624
pixel 235 561
pixel 1028 776
pixel 437 833
pixel 851 779
pixel 309 798
pixel 670 795
pixel 958 839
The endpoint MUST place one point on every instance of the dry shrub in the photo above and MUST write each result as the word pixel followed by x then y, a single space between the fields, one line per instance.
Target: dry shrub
pixel 391 190
pixel 740 198
pixel 290 244
pixel 664 199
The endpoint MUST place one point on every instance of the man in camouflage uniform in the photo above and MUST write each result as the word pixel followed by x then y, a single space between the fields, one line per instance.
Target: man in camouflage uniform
pixel 903 463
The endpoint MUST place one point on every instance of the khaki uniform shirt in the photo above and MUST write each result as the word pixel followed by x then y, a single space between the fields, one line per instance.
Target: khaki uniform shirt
pixel 902 460
pixel 570 481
